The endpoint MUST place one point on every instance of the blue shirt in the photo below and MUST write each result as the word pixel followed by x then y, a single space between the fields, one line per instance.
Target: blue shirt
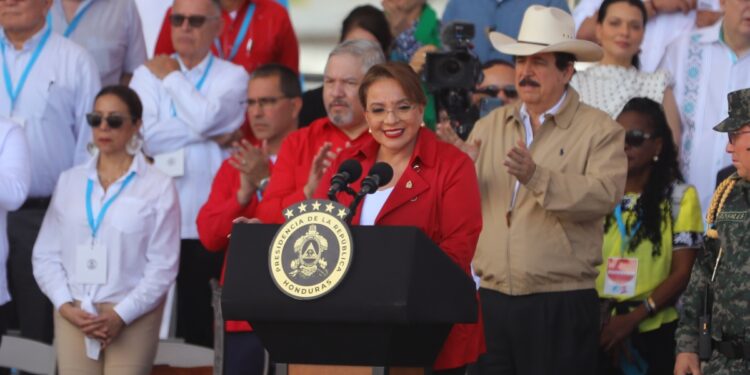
pixel 503 16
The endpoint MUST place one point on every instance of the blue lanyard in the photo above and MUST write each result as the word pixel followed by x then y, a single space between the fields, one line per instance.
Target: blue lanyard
pixel 200 83
pixel 13 94
pixel 239 38
pixel 76 20
pixel 94 225
pixel 626 237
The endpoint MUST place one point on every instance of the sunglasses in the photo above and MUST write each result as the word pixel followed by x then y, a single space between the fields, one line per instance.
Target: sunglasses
pixel 635 138
pixel 113 121
pixel 733 135
pixel 492 90
pixel 177 20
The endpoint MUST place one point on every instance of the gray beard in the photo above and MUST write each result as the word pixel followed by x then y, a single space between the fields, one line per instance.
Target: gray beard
pixel 342 119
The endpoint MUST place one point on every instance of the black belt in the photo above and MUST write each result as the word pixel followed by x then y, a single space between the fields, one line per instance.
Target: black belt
pixel 35 204
pixel 732 349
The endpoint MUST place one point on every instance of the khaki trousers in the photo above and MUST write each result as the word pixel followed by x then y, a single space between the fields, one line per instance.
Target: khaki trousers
pixel 131 353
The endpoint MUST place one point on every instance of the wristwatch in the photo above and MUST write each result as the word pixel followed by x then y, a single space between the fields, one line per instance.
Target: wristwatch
pixel 263 183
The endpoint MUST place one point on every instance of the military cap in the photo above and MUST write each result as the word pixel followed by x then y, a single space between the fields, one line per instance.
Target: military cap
pixel 739 112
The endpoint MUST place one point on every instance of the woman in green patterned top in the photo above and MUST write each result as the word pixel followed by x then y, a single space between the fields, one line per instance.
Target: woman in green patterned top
pixel 649 246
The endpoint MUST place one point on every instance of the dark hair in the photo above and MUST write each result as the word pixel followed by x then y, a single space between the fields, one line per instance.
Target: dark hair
pixel 602 14
pixel 664 173
pixel 373 20
pixel 501 62
pixel 563 59
pixel 288 80
pixel 398 71
pixel 127 96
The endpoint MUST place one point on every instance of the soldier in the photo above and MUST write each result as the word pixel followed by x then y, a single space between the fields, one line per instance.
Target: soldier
pixel 721 272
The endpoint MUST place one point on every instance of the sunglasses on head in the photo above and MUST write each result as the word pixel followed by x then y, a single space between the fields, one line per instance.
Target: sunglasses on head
pixel 635 138
pixel 113 121
pixel 195 21
pixel 492 90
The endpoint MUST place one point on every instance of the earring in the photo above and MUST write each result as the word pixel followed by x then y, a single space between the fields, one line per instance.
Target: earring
pixel 134 145
pixel 91 148
pixel 656 158
pixel 369 130
pixel 422 124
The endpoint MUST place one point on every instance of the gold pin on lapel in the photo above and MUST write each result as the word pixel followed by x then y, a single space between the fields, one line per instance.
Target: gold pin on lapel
pixel 409 184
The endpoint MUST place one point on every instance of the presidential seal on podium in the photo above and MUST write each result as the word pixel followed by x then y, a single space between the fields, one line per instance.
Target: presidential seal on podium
pixel 311 252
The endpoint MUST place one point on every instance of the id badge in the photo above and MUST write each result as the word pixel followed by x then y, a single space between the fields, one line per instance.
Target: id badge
pixel 91 264
pixel 171 163
pixel 20 121
pixel 621 277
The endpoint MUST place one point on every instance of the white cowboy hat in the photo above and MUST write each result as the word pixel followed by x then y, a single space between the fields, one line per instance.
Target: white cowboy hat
pixel 546 29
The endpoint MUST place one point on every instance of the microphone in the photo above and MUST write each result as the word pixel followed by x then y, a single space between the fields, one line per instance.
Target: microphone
pixel 348 172
pixel 380 174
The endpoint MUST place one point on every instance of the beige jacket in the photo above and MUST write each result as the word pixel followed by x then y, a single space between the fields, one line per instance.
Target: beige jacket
pixel 554 240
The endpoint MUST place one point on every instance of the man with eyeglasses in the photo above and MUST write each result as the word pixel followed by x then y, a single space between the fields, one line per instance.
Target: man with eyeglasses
pixel 273 105
pixel 255 32
pixel 721 274
pixel 306 153
pixel 47 86
pixel 189 99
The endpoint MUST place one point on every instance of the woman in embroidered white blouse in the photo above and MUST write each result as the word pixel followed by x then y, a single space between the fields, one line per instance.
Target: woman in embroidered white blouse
pixel 613 81
pixel 108 249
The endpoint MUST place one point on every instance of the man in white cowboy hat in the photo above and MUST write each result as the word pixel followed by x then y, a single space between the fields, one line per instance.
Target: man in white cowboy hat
pixel 550 169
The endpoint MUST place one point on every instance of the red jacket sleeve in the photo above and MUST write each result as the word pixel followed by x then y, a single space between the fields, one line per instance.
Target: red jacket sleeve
pixel 215 217
pixel 164 40
pixel 461 213
pixel 288 45
pixel 283 189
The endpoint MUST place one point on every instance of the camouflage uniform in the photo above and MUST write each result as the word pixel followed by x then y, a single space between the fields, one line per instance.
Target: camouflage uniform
pixel 731 287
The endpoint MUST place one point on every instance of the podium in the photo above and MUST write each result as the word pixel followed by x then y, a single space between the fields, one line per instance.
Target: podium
pixel 394 307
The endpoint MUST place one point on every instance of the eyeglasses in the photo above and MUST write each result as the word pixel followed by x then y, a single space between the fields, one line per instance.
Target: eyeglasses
pixel 113 121
pixel 266 101
pixel 733 135
pixel 401 111
pixel 635 138
pixel 177 20
pixel 492 90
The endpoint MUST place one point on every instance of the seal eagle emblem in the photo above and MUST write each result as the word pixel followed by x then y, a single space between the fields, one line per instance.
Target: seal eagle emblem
pixel 312 251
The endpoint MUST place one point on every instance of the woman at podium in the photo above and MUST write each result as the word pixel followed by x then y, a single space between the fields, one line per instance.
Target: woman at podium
pixel 434 186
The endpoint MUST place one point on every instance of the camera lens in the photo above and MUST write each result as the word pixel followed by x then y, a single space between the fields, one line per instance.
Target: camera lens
pixel 451 67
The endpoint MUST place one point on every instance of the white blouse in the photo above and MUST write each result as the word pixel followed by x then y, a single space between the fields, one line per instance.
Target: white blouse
pixel 140 231
pixel 373 204
pixel 610 87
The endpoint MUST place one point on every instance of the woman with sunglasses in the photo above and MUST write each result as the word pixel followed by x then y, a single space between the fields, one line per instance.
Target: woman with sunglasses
pixel 434 186
pixel 649 246
pixel 616 78
pixel 108 249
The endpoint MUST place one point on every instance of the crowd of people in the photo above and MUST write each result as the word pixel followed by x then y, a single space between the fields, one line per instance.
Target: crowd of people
pixel 583 205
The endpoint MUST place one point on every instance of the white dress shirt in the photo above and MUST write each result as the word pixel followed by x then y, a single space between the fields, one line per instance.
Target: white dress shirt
pixel 704 70
pixel 372 205
pixel 52 106
pixel 177 116
pixel 15 177
pixel 660 30
pixel 110 30
pixel 140 232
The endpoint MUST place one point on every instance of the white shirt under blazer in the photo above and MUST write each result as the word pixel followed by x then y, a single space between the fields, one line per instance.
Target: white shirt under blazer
pixel 52 105
pixel 177 116
pixel 140 231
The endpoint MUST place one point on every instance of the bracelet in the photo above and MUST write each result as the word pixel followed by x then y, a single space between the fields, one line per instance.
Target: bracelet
pixel 650 306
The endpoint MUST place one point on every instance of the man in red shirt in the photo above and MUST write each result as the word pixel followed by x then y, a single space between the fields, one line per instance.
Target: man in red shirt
pixel 306 153
pixel 273 105
pixel 255 32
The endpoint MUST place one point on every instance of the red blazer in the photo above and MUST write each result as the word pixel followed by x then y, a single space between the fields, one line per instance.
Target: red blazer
pixel 215 220
pixel 293 166
pixel 439 194
pixel 272 37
